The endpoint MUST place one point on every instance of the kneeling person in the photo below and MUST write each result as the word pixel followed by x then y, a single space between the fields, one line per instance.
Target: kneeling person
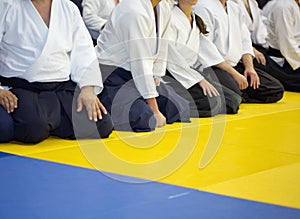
pixel 47 59
pixel 132 56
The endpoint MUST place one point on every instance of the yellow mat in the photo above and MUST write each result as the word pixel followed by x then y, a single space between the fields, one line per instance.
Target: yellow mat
pixel 253 155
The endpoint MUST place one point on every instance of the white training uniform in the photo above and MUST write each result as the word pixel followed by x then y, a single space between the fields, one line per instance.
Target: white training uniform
pixel 32 51
pixel 266 10
pixel 284 30
pixel 185 42
pixel 95 14
pixel 227 31
pixel 255 24
pixel 138 49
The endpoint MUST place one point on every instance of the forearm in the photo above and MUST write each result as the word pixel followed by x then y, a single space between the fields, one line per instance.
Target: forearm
pixel 247 61
pixel 239 78
pixel 153 105
pixel 228 68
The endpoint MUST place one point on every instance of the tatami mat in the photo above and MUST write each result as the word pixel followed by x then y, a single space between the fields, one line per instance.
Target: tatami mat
pixel 253 155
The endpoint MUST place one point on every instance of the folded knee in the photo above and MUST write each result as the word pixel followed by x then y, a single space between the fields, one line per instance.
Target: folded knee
pixel 33 132
pixel 6 129
pixel 105 126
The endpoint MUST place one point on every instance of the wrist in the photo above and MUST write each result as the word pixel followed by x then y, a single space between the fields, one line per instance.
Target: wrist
pixel 235 73
pixel 87 89
pixel 249 68
pixel 153 105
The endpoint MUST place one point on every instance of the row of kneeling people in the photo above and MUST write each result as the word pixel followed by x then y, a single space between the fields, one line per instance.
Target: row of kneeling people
pixel 160 62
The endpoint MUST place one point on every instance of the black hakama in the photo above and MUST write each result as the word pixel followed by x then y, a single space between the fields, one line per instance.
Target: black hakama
pixel 6 126
pixel 50 109
pixel 129 110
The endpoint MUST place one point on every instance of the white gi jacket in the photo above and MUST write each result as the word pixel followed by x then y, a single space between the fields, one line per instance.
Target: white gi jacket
pixel 129 40
pixel 227 31
pixel 32 51
pixel 95 14
pixel 255 24
pixel 284 29
pixel 189 51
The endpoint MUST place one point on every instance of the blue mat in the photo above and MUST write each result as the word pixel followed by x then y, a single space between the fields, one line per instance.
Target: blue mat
pixel 32 189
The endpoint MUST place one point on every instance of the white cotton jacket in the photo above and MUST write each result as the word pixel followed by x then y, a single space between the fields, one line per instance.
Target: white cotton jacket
pixel 189 51
pixel 32 51
pixel 255 24
pixel 129 40
pixel 227 30
pixel 284 29
pixel 95 14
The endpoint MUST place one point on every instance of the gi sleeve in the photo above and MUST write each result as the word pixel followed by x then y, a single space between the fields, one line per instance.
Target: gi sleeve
pixel 247 47
pixel 85 70
pixel 4 8
pixel 160 64
pixel 135 32
pixel 285 32
pixel 209 55
pixel 90 14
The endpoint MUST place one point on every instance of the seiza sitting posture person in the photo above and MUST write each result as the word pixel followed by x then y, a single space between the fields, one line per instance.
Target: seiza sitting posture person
pixel 190 58
pixel 228 31
pixel 45 52
pixel 133 55
pixel 283 25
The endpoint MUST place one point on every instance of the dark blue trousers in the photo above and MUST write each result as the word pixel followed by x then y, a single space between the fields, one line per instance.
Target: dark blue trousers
pixel 6 126
pixel 46 109
pixel 129 111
